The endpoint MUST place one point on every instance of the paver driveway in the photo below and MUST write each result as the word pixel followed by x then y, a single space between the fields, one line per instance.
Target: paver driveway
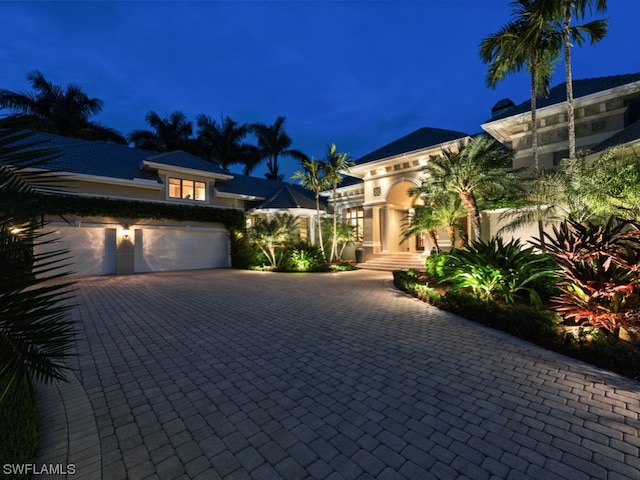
pixel 237 374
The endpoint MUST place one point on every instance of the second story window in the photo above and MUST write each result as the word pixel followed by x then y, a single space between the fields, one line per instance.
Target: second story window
pixel 187 189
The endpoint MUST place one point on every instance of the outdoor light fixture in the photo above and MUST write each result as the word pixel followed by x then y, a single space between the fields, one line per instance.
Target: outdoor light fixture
pixel 126 232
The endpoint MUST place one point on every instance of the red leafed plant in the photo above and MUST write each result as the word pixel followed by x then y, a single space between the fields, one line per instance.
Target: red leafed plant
pixel 600 284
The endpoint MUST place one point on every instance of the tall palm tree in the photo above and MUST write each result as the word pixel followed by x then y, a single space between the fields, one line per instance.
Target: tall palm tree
pixel 312 177
pixel 50 108
pixel 273 143
pixel 169 134
pixel 36 335
pixel 475 168
pixel 223 144
pixel 523 43
pixel 562 12
pixel 335 164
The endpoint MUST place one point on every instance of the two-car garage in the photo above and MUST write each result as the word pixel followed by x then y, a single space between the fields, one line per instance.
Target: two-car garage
pixel 108 249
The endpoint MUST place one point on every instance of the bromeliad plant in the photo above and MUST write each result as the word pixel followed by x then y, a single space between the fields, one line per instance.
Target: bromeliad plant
pixel 495 270
pixel 600 265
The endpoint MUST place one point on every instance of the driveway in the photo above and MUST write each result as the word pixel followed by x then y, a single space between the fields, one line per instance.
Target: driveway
pixel 252 375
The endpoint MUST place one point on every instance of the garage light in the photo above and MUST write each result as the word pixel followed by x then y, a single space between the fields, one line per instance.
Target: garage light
pixel 126 232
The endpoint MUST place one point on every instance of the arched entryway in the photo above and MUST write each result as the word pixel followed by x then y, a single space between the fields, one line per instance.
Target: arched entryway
pixel 393 216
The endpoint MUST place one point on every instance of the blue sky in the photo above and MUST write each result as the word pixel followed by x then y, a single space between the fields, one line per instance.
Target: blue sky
pixel 357 73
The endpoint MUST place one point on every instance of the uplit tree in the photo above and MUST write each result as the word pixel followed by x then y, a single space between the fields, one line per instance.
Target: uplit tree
pixel 312 177
pixel 335 165
pixel 523 43
pixel 272 234
pixel 562 13
pixel 478 167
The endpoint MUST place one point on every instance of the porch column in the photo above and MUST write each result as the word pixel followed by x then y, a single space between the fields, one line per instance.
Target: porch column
pixel 384 228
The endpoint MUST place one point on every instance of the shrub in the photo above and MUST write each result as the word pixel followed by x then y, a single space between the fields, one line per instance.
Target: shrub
pixel 495 270
pixel 437 264
pixel 414 284
pixel 599 284
pixel 302 257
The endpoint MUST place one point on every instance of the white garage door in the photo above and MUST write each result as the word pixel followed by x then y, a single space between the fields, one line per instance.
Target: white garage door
pixel 168 249
pixel 92 250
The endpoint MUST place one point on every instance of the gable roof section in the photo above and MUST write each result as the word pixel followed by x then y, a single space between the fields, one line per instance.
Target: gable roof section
pixel 183 159
pixel 581 88
pixel 423 138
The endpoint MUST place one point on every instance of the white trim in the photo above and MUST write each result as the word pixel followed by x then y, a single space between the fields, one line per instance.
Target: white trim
pixel 186 171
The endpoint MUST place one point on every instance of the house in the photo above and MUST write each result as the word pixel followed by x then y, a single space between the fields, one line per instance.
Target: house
pixel 376 196
pixel 129 210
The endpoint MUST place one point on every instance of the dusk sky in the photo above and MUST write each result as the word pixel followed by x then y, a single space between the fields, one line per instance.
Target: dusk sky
pixel 357 73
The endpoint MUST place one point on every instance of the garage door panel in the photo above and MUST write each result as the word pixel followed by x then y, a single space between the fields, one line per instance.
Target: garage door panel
pixel 160 250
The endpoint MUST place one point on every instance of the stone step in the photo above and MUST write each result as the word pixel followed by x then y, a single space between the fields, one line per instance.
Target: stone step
pixel 395 261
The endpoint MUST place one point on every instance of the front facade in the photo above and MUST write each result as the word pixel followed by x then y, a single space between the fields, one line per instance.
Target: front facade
pixel 143 241
pixel 607 114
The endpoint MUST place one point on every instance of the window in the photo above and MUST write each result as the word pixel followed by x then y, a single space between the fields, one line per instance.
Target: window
pixel 187 189
pixel 355 218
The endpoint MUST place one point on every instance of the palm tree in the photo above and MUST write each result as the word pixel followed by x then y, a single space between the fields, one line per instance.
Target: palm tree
pixel 173 133
pixel 222 144
pixel 36 335
pixel 312 177
pixel 56 110
pixel 273 142
pixel 523 43
pixel 272 233
pixel 422 221
pixel 334 165
pixel 561 12
pixel 343 231
pixel 476 168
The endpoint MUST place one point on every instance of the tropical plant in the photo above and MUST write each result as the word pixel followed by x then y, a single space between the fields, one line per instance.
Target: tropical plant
pixel 582 190
pixel 223 144
pixel 600 264
pixel 302 257
pixel 437 264
pixel 343 233
pixel 495 270
pixel 561 13
pixel 36 335
pixel 523 43
pixel 478 167
pixel 312 177
pixel 273 143
pixel 272 234
pixel 169 134
pixel 335 165
pixel 50 108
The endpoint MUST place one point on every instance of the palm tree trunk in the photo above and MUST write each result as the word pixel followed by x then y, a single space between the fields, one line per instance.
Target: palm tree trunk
pixel 534 115
pixel 567 67
pixel 319 224
pixel 451 231
pixel 471 206
pixel 434 240
pixel 334 244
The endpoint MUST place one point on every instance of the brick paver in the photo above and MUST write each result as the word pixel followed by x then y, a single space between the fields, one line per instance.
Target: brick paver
pixel 238 374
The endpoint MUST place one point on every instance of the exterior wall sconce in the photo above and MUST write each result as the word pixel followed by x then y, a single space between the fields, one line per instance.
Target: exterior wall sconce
pixel 126 232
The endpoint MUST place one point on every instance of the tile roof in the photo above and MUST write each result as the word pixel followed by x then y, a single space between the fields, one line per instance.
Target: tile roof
pixel 422 138
pixel 118 161
pixel 106 159
pixel 288 197
pixel 626 135
pixel 581 88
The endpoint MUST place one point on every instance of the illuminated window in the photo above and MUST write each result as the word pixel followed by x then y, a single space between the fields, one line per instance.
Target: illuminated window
pixel 187 189
pixel 355 218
